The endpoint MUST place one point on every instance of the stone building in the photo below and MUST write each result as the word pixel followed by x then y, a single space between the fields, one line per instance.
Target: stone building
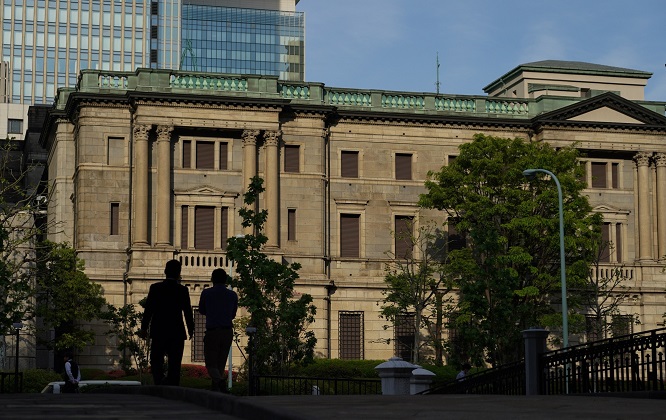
pixel 151 165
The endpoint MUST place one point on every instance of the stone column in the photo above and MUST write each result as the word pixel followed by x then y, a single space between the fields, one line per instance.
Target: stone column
pixel 660 162
pixel 163 221
pixel 141 184
pixel 249 164
pixel 272 205
pixel 642 160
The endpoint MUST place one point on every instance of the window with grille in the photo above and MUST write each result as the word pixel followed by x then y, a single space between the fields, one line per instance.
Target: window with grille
pixel 205 154
pixel 594 327
pixel 350 235
pixel 622 325
pixel 349 164
pixel 455 239
pixel 198 339
pixel 351 335
pixel 404 336
pixel 403 166
pixel 14 126
pixel 404 233
pixel 204 228
pixel 115 218
pixel 605 243
pixel 291 158
pixel 291 224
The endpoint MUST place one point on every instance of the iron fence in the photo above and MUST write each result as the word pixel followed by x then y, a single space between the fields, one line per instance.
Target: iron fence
pixel 634 362
pixel 293 385
pixel 507 379
pixel 9 383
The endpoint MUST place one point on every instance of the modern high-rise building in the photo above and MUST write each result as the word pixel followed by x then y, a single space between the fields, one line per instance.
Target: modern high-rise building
pixel 45 43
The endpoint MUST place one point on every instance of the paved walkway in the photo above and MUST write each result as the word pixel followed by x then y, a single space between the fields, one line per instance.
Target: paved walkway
pixel 150 402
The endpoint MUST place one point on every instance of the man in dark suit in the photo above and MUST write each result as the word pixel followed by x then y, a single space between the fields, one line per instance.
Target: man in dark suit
pixel 166 304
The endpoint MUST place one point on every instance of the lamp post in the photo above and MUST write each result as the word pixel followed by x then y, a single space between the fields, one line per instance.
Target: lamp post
pixel 530 173
pixel 330 289
pixel 17 326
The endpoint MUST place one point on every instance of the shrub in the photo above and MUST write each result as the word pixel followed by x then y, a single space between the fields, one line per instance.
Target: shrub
pixel 194 371
pixel 94 374
pixel 336 368
pixel 34 380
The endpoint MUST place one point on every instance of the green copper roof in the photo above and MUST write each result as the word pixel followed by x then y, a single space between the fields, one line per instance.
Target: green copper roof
pixel 569 67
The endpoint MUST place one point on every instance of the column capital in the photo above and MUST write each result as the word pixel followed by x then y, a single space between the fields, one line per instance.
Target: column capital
pixel 164 132
pixel 642 158
pixel 141 131
pixel 250 137
pixel 660 159
pixel 272 138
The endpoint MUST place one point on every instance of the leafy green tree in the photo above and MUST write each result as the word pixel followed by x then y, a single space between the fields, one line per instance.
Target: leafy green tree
pixel 418 285
pixel 125 322
pixel 66 298
pixel 509 274
pixel 266 288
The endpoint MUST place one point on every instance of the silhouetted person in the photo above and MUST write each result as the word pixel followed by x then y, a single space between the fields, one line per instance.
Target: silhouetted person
pixel 463 373
pixel 166 304
pixel 72 375
pixel 219 304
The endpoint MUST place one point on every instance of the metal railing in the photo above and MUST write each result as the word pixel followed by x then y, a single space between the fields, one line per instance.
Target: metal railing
pixel 8 382
pixel 507 379
pixel 630 363
pixel 296 385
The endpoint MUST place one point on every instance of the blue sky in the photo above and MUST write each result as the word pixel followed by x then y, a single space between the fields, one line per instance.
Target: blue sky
pixel 392 44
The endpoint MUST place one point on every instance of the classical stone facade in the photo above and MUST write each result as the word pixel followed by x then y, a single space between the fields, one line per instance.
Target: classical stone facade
pixel 152 165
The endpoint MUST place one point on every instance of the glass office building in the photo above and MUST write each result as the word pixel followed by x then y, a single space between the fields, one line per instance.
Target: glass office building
pixel 243 41
pixel 46 42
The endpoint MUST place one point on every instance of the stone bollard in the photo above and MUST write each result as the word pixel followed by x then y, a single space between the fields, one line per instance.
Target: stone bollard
pixel 396 375
pixel 421 380
pixel 535 346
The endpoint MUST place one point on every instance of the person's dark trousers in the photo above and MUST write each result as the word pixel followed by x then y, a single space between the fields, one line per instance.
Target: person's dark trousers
pixel 173 350
pixel 216 350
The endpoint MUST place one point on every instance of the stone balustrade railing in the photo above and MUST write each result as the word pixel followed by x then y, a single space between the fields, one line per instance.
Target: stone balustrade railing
pixel 269 87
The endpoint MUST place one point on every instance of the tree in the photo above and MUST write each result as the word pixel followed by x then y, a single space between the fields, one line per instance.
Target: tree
pixel 125 323
pixel 266 288
pixel 66 298
pixel 508 275
pixel 417 284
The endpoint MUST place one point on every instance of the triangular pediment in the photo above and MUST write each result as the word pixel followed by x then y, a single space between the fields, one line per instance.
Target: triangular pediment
pixel 202 190
pixel 605 208
pixel 606 109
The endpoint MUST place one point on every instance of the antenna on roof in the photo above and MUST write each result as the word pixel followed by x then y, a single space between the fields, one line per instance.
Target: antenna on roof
pixel 437 82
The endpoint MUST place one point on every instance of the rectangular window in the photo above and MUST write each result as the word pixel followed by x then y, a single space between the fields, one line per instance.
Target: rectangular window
pixel 351 335
pixel 115 151
pixel 349 235
pixel 204 227
pixel 187 154
pixel 199 332
pixel 223 155
pixel 184 232
pixel 291 224
pixel 455 239
pixel 115 218
pixel 622 325
pixel 205 155
pixel 452 158
pixel 14 126
pixel 349 164
pixel 618 242
pixel 291 158
pixel 403 166
pixel 598 175
pixel 404 336
pixel 615 175
pixel 594 328
pixel 404 234
pixel 224 227
pixel 604 257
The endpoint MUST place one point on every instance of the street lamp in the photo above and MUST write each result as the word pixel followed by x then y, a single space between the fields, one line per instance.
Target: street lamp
pixel 17 326
pixel 530 173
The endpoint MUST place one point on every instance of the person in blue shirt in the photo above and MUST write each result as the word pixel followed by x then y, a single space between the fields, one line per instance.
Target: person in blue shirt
pixel 219 304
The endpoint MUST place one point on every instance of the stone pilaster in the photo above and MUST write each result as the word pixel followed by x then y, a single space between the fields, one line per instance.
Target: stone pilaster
pixel 660 163
pixel 272 140
pixel 141 184
pixel 644 220
pixel 163 185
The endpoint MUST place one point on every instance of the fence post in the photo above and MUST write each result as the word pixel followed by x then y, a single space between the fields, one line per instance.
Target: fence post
pixel 395 375
pixel 535 346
